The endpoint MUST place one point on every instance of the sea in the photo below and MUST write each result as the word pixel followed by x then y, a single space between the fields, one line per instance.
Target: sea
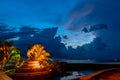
pixel 74 74
pixel 77 74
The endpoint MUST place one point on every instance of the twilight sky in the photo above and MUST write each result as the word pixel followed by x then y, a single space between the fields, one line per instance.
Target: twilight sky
pixel 80 29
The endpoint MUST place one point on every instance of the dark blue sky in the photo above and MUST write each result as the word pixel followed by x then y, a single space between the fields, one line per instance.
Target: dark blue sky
pixel 87 29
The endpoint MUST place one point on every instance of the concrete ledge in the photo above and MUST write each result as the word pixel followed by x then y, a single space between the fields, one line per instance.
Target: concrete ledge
pixel 3 76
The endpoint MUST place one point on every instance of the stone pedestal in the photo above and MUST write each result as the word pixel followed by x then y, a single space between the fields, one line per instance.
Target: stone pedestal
pixel 31 70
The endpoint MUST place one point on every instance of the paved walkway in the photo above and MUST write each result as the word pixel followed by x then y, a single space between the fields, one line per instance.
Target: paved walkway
pixel 3 76
pixel 107 74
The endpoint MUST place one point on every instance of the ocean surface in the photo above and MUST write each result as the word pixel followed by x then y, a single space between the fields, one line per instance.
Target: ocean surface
pixel 74 74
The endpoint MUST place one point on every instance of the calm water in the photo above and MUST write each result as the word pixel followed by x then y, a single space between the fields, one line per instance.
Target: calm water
pixel 74 74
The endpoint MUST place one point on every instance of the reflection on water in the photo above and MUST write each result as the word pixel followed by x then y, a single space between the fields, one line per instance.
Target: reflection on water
pixel 74 74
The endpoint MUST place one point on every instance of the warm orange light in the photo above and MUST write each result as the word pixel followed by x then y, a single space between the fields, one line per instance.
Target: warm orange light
pixel 35 64
pixel 38 57
pixel 37 52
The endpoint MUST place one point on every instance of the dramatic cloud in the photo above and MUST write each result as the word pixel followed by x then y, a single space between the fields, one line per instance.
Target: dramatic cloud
pixel 85 30
pixel 93 12
pixel 53 44
pixel 65 37
pixel 81 31
pixel 3 27
pixel 98 27
pixel 95 28
pixel 75 19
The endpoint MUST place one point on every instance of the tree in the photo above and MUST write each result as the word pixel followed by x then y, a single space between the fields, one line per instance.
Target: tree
pixel 14 56
pixel 5 47
pixel 37 52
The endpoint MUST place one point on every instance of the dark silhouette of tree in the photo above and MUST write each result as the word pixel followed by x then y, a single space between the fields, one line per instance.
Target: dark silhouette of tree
pixel 4 52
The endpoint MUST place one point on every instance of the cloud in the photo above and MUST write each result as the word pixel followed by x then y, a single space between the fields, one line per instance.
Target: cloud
pixel 98 27
pixel 47 37
pixel 74 21
pixel 93 12
pixel 85 30
pixel 6 32
pixel 28 30
pixel 3 27
pixel 79 19
pixel 95 27
pixel 65 37
pixel 98 44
